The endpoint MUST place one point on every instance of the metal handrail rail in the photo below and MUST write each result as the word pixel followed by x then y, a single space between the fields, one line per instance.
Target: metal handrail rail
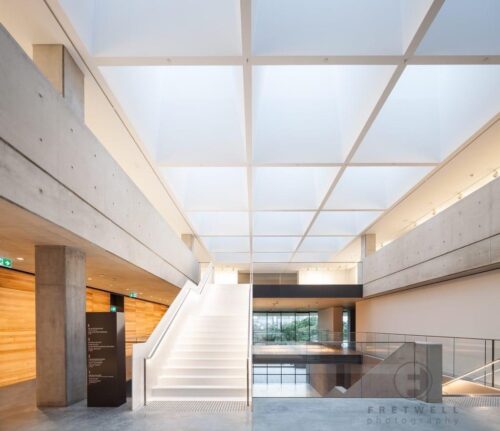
pixel 472 372
pixel 162 336
pixel 249 341
pixel 422 335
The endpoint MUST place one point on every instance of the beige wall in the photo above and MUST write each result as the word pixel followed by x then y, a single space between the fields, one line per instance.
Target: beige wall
pixel 465 307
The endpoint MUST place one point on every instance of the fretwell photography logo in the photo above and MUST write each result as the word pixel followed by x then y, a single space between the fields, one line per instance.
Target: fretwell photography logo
pixel 412 380
pixel 412 415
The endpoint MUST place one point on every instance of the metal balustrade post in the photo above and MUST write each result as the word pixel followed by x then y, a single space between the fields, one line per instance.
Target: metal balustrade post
pixel 492 364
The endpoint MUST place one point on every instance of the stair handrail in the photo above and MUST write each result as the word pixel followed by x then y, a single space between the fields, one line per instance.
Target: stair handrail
pixel 249 341
pixel 449 382
pixel 202 284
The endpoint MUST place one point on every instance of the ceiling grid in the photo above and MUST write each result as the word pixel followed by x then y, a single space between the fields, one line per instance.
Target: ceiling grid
pixel 286 129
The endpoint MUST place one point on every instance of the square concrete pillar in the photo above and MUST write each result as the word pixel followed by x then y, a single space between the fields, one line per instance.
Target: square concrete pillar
pixel 56 63
pixel 368 244
pixel 60 325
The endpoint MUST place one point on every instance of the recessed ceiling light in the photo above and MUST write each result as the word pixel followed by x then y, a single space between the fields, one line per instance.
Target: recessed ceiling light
pixel 90 278
pixel 20 258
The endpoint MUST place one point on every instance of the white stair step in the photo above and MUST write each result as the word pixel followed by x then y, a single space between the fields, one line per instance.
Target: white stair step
pixel 193 354
pixel 197 339
pixel 205 362
pixel 211 349
pixel 204 371
pixel 206 380
pixel 210 392
pixel 211 346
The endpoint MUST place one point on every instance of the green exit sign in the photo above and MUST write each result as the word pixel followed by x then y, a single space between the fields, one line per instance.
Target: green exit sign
pixel 133 294
pixel 113 308
pixel 6 262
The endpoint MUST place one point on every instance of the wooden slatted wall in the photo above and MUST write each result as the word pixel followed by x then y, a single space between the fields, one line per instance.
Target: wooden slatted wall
pixel 97 300
pixel 141 318
pixel 17 323
pixel 17 327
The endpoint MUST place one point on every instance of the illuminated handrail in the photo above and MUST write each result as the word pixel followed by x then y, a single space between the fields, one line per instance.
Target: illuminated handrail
pixel 162 336
pixel 471 372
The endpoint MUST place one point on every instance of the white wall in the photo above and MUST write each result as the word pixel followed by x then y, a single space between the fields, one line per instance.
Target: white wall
pixel 225 276
pixel 321 276
pixel 465 307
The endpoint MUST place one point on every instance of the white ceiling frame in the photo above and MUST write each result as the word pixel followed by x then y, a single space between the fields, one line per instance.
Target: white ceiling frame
pixel 365 60
pixel 410 51
pixel 246 60
pixel 294 165
pixel 89 64
pixel 246 40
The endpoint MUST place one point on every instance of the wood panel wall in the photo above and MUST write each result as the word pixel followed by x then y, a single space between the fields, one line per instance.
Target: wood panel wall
pixel 17 323
pixel 17 327
pixel 141 318
pixel 97 300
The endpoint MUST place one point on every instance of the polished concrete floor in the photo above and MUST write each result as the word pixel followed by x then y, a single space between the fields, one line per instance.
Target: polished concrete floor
pixel 284 390
pixel 268 415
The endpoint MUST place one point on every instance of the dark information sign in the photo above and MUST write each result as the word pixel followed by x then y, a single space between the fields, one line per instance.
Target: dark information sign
pixel 106 385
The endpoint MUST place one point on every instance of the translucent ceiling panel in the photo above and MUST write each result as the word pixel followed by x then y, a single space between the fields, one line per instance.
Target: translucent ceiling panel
pixel 202 116
pixel 208 188
pixel 231 257
pixel 138 90
pixel 281 223
pixel 291 187
pixel 275 244
pixel 226 244
pixel 335 27
pixel 464 27
pixel 343 222
pixel 312 114
pixel 184 114
pixel 271 257
pixel 431 112
pixel 312 257
pixel 219 223
pixel 371 187
pixel 331 244
pixel 148 28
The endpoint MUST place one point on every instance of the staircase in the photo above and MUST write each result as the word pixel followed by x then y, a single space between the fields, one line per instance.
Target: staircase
pixel 207 360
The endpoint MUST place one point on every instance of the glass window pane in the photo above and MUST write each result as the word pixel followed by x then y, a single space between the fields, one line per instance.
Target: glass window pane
pixel 288 326
pixel 302 325
pixel 274 378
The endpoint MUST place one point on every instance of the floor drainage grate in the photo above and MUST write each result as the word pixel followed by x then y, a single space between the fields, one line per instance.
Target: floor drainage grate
pixel 465 402
pixel 199 406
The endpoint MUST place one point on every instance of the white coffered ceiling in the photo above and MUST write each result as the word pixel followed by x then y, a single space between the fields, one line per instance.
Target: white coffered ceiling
pixel 285 128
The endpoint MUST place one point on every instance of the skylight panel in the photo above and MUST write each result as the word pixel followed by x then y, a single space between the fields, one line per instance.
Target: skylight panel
pixel 291 187
pixel 431 112
pixel 201 188
pixel 219 223
pixel 281 223
pixel 343 222
pixel 312 114
pixel 374 187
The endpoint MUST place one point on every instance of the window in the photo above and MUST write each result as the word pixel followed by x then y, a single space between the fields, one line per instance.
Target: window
pixel 283 327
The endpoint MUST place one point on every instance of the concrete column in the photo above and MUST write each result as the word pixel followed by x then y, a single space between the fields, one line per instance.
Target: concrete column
pixel 188 239
pixel 60 325
pixel 368 247
pixel 368 244
pixel 56 63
